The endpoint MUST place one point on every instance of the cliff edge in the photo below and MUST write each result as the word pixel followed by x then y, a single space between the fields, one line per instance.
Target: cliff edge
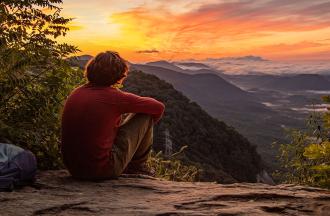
pixel 56 193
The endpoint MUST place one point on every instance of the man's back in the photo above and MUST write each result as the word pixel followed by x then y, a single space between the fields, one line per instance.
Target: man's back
pixel 90 121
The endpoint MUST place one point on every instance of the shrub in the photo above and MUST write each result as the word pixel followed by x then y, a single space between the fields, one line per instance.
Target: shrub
pixel 306 159
pixel 172 168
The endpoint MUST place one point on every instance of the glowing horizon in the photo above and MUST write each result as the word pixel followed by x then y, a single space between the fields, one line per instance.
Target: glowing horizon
pixel 178 29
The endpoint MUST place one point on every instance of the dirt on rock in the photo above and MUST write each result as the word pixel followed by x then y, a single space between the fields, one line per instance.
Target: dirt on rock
pixel 56 193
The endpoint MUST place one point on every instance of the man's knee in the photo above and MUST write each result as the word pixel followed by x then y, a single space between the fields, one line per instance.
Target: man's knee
pixel 144 117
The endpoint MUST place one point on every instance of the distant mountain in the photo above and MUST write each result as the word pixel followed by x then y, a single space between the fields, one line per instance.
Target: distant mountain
pixel 325 72
pixel 244 58
pixel 327 77
pixel 192 64
pixel 250 81
pixel 204 71
pixel 251 58
pixel 300 82
pixel 80 61
pixel 84 57
pixel 199 86
pixel 165 64
pixel 223 154
pixel 185 67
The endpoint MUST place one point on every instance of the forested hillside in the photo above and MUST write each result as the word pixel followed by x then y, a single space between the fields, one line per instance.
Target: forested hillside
pixel 219 150
pixel 228 103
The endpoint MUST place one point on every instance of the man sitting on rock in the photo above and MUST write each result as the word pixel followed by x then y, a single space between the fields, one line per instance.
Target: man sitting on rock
pixel 97 141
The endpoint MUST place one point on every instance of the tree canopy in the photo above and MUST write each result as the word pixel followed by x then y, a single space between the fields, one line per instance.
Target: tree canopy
pixel 34 76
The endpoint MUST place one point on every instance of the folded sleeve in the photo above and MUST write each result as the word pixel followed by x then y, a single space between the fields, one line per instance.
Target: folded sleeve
pixel 131 103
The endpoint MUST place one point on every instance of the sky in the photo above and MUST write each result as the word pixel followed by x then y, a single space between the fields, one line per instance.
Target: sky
pixel 148 30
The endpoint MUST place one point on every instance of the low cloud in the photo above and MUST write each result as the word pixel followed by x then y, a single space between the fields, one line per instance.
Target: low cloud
pixel 147 51
pixel 243 66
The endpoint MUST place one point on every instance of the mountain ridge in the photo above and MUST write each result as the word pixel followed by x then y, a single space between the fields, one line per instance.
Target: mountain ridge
pixel 188 81
pixel 218 149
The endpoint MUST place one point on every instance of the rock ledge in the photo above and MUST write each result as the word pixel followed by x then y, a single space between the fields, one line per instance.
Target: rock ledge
pixel 56 193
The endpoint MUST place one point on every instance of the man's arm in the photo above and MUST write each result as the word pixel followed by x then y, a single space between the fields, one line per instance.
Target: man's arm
pixel 131 103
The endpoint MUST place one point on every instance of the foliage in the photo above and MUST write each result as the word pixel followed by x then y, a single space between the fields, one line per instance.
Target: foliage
pixel 172 168
pixel 306 159
pixel 34 77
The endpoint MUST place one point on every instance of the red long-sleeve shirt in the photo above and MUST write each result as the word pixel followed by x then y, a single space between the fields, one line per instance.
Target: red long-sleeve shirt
pixel 90 121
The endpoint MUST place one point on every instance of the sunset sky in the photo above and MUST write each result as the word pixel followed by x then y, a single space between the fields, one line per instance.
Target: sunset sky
pixel 183 29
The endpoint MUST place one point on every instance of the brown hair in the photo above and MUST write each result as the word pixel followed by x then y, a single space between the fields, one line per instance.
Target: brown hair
pixel 106 69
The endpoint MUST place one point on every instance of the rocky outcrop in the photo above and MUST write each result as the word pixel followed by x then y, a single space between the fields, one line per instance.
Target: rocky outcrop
pixel 56 193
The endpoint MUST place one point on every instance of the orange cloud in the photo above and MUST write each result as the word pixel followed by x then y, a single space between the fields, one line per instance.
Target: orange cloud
pixel 214 29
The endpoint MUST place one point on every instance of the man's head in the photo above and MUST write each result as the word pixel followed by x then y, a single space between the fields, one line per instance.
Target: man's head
pixel 106 69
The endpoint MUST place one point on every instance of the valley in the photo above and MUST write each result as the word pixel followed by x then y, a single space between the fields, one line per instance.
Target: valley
pixel 260 106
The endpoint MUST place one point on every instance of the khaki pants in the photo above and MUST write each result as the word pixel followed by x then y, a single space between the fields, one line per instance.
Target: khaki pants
pixel 132 143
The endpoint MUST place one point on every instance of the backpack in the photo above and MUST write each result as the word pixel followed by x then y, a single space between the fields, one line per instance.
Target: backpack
pixel 17 167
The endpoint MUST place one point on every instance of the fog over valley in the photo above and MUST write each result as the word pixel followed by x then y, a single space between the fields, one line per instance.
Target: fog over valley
pixel 258 65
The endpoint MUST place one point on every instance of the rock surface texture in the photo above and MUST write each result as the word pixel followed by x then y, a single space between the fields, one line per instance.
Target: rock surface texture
pixel 56 193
